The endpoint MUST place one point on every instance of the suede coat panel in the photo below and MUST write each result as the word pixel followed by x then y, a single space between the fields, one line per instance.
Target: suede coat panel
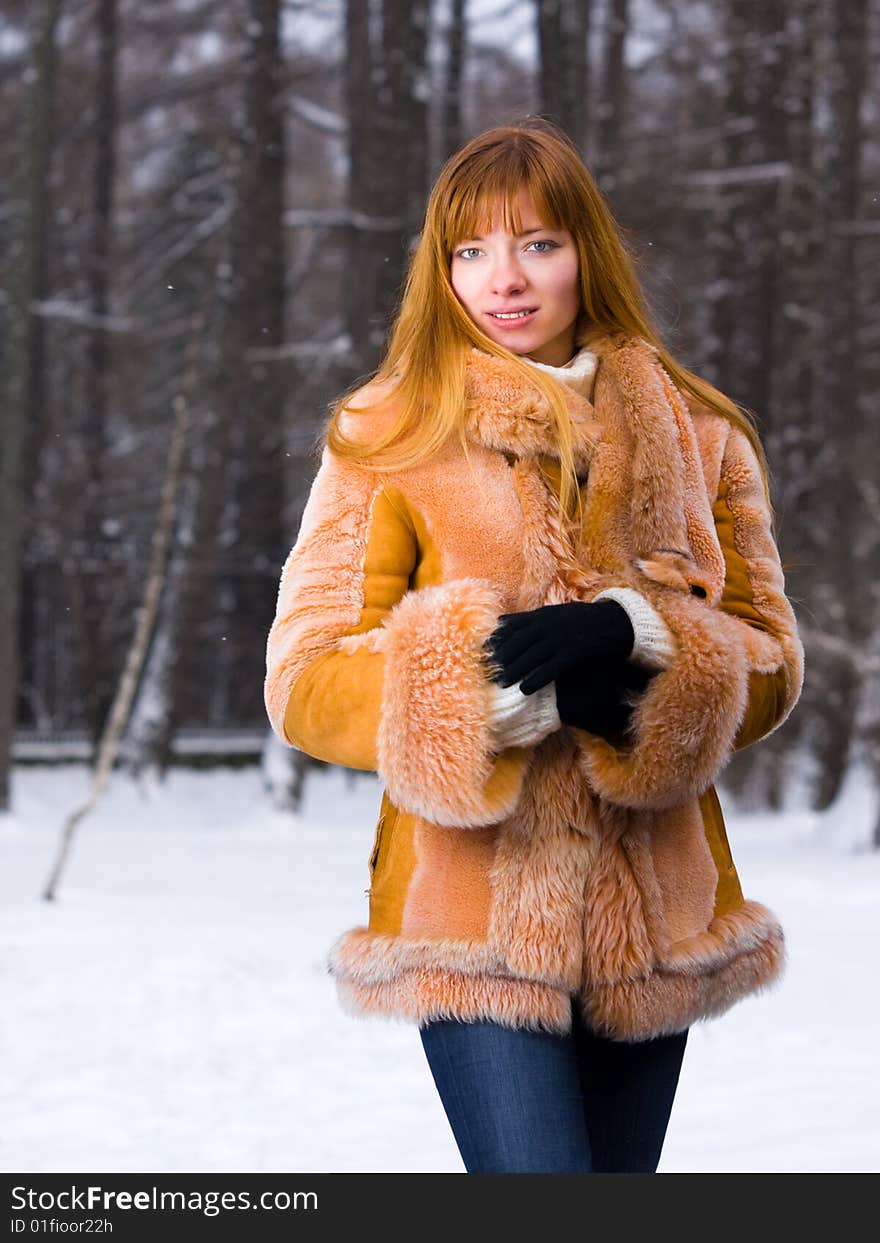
pixel 503 884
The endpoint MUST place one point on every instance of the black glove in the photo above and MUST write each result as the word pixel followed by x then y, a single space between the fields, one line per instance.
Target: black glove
pixel 540 646
pixel 601 700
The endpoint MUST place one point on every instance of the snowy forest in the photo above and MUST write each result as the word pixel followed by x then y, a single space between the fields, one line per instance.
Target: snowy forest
pixel 206 208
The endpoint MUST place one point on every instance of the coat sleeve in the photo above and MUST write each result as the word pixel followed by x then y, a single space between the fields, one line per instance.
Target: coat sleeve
pixel 738 667
pixel 363 671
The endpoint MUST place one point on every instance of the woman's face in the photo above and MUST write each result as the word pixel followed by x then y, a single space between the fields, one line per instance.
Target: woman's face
pixel 537 273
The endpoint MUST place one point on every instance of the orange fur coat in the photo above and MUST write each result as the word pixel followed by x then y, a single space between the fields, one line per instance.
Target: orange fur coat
pixel 504 884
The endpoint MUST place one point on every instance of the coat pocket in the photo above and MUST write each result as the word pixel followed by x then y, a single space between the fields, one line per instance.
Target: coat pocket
pixel 381 842
pixel 377 843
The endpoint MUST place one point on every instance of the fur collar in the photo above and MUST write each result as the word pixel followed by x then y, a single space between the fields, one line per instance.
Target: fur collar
pixel 636 444
pixel 512 416
pixel 505 413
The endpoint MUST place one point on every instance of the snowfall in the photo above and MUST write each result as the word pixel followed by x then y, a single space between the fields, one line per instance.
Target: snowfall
pixel 171 1010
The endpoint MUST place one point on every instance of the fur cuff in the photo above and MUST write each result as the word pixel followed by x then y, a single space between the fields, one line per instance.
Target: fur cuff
pixel 434 746
pixel 684 724
pixel 654 646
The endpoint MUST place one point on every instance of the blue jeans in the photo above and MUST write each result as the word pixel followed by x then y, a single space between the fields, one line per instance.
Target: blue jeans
pixel 522 1101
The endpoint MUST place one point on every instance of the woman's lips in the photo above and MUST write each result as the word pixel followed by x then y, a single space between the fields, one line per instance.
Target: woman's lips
pixel 518 322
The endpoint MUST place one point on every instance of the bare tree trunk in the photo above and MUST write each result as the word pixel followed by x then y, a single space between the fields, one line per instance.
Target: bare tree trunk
pixel 451 131
pixel 727 230
pixel 359 310
pixel 253 394
pixel 95 601
pixel 839 606
pixel 402 127
pixel 795 415
pixel 563 31
pixel 386 100
pixel 769 149
pixel 23 368
pixel 752 198
pixel 611 110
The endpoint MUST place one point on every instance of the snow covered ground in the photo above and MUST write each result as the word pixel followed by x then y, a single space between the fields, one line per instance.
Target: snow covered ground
pixel 171 1011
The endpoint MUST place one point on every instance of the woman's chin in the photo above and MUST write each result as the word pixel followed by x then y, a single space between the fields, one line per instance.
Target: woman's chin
pixel 527 343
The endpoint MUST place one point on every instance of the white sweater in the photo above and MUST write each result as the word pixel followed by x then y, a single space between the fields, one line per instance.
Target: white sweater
pixel 522 720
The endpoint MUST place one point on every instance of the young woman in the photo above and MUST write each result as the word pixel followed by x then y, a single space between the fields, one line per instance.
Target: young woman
pixel 536 588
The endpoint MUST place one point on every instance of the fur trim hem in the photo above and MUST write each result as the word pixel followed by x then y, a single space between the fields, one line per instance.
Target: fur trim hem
pixel 365 957
pixel 736 932
pixel 742 952
pixel 377 957
pixel 432 993
pixel 676 996
pixel 435 747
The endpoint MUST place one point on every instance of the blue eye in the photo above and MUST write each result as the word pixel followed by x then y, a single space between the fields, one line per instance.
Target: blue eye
pixel 460 253
pixel 544 242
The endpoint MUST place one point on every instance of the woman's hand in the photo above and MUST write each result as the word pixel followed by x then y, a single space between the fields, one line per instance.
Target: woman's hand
pixel 601 700
pixel 543 645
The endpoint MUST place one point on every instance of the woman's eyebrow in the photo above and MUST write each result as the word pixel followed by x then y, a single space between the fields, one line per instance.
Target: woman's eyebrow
pixel 541 228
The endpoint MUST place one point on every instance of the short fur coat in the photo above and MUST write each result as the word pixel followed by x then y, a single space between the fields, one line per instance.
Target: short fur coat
pixel 504 885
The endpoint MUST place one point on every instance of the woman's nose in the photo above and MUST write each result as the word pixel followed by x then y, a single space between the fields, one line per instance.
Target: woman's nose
pixel 507 277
